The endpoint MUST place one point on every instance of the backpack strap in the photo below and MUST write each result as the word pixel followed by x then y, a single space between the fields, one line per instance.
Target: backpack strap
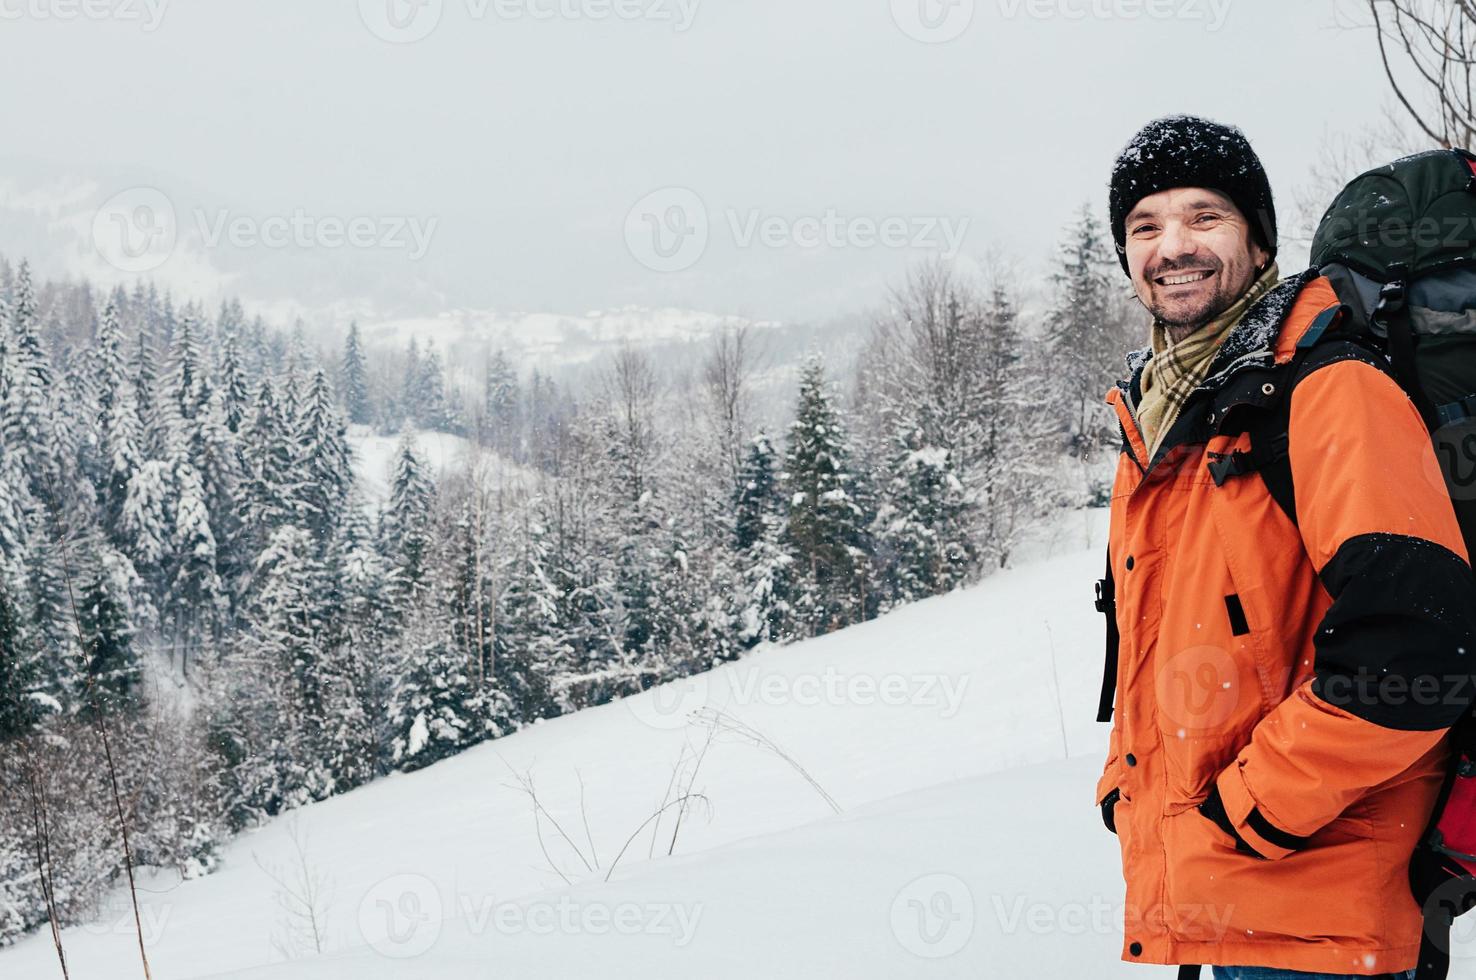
pixel 1392 314
pixel 1107 606
pixel 1269 425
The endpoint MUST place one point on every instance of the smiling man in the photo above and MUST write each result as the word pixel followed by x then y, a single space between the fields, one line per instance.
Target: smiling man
pixel 1266 797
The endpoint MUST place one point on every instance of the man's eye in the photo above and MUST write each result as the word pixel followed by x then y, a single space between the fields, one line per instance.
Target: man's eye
pixel 1140 229
pixel 1206 217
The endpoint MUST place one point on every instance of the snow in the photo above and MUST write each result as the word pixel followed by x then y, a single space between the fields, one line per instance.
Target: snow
pixel 374 456
pixel 548 339
pixel 966 843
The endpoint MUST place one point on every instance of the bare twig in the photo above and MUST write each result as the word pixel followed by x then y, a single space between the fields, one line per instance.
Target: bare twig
pixel 679 801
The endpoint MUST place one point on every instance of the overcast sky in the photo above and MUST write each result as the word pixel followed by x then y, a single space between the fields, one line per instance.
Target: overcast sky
pixel 775 158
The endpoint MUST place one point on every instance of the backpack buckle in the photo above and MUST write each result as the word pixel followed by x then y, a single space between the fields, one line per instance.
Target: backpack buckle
pixel 1223 466
pixel 1105 596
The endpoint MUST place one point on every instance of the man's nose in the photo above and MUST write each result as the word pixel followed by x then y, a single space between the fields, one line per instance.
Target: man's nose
pixel 1176 244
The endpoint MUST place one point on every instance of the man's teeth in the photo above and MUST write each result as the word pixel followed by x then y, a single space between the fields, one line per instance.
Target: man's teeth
pixel 1186 277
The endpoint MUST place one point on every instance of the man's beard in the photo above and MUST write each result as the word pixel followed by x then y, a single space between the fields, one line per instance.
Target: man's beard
pixel 1202 312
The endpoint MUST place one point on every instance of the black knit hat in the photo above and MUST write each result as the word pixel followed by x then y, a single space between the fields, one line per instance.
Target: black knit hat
pixel 1188 151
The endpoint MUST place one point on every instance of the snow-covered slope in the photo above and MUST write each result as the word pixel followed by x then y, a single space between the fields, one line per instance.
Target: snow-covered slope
pixel 955 737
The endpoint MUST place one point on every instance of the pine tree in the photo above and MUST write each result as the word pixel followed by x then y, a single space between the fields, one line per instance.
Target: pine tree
pixel 405 526
pixel 435 411
pixel 766 568
pixel 287 621
pixel 231 377
pixel 269 488
pixel 113 668
pixel 824 532
pixel 412 388
pixel 437 708
pixel 354 379
pixel 500 403
pixel 528 647
pixel 321 462
pixel 19 677
pixel 117 422
pixel 26 423
pixel 1085 334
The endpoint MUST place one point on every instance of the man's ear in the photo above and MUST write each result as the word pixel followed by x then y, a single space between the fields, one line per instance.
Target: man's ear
pixel 1260 257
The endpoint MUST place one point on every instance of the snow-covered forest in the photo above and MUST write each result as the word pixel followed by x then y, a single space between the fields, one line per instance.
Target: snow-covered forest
pixel 207 620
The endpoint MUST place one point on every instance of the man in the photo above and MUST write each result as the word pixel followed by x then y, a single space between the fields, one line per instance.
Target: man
pixel 1266 780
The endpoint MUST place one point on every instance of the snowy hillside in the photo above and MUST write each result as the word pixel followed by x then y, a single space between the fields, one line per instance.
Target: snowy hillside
pixel 965 844
pixel 443 454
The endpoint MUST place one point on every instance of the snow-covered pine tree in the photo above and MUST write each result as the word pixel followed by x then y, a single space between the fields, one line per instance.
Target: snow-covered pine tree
pixel 113 669
pixel 287 618
pixel 354 379
pixel 825 531
pixel 19 672
pixel 116 426
pixel 528 649
pixel 195 599
pixel 405 526
pixel 269 487
pixel 366 658
pixel 412 386
pixel 231 381
pixel 321 462
pixel 501 402
pixel 1013 480
pixel 435 410
pixel 1086 334
pixel 765 613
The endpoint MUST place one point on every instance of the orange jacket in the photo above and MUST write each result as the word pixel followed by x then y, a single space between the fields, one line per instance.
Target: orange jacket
pixel 1268 778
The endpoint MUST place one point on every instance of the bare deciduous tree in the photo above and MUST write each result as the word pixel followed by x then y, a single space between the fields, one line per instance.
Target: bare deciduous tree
pixel 1428 50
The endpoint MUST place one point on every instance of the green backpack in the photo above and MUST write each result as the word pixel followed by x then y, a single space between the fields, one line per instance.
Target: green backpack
pixel 1398 245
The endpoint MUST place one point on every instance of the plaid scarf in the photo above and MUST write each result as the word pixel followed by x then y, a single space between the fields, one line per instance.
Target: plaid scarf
pixel 1176 369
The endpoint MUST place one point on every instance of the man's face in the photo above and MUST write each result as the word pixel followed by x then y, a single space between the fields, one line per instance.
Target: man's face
pixel 1191 255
